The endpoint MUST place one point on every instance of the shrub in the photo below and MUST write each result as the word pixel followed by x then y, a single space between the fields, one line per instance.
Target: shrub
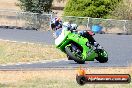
pixel 123 11
pixel 90 8
pixel 35 6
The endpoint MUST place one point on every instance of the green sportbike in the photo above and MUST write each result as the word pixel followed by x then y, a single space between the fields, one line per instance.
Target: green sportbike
pixel 79 47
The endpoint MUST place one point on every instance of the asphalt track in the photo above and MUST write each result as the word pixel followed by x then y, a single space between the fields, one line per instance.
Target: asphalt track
pixel 31 36
pixel 119 48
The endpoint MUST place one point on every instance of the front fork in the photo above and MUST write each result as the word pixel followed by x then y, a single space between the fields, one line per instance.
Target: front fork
pixel 101 53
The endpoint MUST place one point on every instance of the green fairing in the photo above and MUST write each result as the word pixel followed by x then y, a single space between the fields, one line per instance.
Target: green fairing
pixel 73 37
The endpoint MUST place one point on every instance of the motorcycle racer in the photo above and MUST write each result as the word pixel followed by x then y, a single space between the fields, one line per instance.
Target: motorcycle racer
pixel 77 46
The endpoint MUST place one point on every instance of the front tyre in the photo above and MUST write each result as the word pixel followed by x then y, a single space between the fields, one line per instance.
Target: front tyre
pixel 102 56
pixel 73 56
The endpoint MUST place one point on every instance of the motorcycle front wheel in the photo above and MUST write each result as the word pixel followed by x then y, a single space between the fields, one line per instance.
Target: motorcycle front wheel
pixel 102 56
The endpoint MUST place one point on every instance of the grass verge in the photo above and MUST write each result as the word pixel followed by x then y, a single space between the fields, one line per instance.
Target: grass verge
pixel 56 78
pixel 12 52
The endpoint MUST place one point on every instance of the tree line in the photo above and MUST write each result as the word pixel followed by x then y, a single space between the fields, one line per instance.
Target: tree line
pixel 117 9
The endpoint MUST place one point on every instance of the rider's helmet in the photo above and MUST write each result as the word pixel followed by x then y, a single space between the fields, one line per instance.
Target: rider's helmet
pixel 57 19
pixel 56 23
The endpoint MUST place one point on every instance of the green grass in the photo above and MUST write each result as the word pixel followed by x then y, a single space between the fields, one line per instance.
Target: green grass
pixel 49 79
pixel 11 52
pixel 63 83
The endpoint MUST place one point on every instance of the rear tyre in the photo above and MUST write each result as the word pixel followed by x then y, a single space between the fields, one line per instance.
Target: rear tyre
pixel 72 56
pixel 102 56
